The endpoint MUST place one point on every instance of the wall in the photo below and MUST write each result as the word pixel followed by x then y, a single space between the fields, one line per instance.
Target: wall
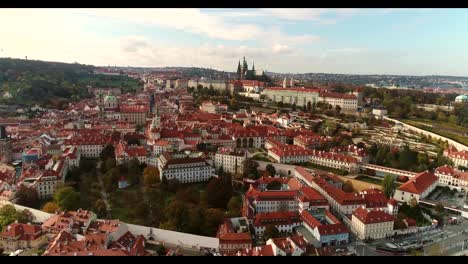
pixel 457 145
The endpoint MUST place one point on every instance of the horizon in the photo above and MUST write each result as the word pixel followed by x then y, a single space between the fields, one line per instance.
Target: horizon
pixel 349 41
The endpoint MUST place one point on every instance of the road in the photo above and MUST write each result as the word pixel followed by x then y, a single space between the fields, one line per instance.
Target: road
pixel 103 192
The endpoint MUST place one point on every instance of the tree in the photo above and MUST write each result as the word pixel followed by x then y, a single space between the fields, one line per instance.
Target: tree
pixel 337 109
pixel 7 215
pixel 110 164
pixel 67 198
pixel 27 196
pixel 188 195
pixel 293 108
pixel 439 208
pixel 348 187
pixel 388 185
pixel 51 207
pixel 160 250
pixel 150 176
pixel 25 216
pixel 213 218
pixel 271 169
pixel 134 171
pixel 218 193
pixel 274 185
pixel 107 152
pixel 100 208
pixel 234 206
pixel 271 232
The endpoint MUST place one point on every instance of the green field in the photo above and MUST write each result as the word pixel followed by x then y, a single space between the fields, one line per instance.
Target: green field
pixel 369 179
pixel 457 137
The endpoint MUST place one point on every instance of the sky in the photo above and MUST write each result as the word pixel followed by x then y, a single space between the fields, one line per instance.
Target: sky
pixel 348 41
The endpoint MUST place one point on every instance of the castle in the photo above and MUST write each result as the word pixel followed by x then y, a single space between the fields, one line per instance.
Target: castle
pixel 243 72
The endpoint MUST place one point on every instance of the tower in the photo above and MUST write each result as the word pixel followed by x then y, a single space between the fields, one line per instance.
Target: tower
pixel 284 82
pixel 156 122
pixel 5 146
pixel 239 71
pixel 291 83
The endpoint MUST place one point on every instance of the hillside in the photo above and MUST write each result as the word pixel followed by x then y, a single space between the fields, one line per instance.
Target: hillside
pixel 27 82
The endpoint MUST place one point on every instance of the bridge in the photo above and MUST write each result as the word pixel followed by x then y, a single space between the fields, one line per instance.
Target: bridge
pixel 388 170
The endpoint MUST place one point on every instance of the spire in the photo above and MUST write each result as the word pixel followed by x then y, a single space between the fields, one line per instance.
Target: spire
pixel 284 82
pixel 292 82
pixel 253 66
pixel 239 70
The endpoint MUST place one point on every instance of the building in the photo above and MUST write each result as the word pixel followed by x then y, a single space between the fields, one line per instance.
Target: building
pixel 310 141
pixel 184 169
pixel 284 221
pixel 231 161
pixel 300 95
pixel 73 154
pixel 22 236
pixel 325 227
pixel 71 221
pixel 417 187
pixel 335 161
pixel 134 113
pixel 5 146
pixel 371 223
pixel 213 108
pixel 347 102
pixel 290 154
pixel 459 158
pixel 451 177
pixel 461 99
pixel 234 235
pixel 287 246
pixel 125 153
pixel 90 145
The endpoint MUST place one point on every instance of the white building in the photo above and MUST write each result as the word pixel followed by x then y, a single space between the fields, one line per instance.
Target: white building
pixel 459 158
pixel 335 160
pixel 375 224
pixel 449 176
pixel 417 187
pixel 231 161
pixel 347 102
pixel 290 154
pixel 184 169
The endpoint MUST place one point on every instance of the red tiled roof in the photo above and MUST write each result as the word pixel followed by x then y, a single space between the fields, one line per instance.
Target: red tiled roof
pixel 338 95
pixel 372 216
pixel 290 150
pixel 419 183
pixel 294 89
pixel 276 218
pixel 18 231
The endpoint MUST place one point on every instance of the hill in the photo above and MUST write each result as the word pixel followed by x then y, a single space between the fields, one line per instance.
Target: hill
pixel 28 82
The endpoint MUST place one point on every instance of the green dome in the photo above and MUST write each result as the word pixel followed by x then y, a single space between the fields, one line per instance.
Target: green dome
pixel 462 98
pixel 110 98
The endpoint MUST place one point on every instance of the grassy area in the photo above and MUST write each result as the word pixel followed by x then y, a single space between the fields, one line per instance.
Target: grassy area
pixel 369 179
pixel 441 124
pixel 123 203
pixel 459 138
pixel 261 157
pixel 319 167
pixel 360 185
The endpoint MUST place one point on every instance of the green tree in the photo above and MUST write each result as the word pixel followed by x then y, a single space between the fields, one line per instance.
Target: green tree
pixel 108 152
pixel 67 198
pixel 160 250
pixel 218 193
pixel 100 208
pixel 51 207
pixel 439 208
pixel 213 218
pixel 110 164
pixel 234 206
pixel 348 187
pixel 150 176
pixel 25 216
pixel 388 185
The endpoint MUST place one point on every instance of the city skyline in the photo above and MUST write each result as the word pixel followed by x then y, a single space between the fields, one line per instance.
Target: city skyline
pixel 347 41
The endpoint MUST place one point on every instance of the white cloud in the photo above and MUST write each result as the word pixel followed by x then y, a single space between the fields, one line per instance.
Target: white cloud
pixel 311 14
pixel 277 48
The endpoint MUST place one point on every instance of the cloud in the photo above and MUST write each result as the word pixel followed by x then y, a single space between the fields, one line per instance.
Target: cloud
pixel 320 15
pixel 278 48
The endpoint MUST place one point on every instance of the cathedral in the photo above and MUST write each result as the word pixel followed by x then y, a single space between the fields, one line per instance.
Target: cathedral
pixel 243 72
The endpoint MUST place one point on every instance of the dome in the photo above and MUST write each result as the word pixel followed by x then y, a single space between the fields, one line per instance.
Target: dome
pixel 462 98
pixel 110 98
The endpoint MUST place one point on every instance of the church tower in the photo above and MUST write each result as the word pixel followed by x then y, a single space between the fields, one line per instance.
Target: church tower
pixel 292 82
pixel 284 82
pixel 156 122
